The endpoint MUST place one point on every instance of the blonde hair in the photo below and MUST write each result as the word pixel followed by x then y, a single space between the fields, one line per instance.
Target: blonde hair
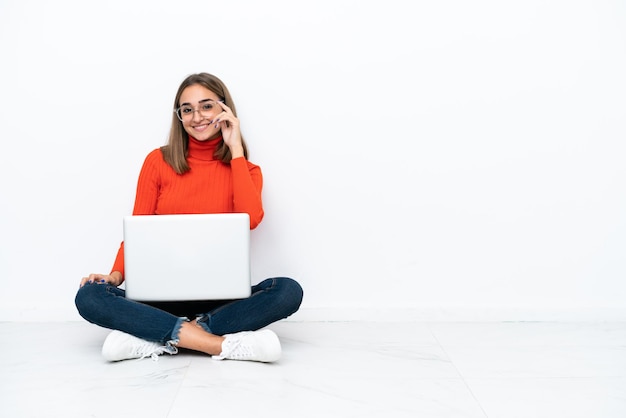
pixel 175 152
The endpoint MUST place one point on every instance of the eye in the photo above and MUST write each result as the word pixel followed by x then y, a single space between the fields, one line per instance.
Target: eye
pixel 207 106
pixel 186 110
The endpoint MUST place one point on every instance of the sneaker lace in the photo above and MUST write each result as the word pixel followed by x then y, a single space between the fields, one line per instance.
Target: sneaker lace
pixel 148 349
pixel 235 349
pixel 240 351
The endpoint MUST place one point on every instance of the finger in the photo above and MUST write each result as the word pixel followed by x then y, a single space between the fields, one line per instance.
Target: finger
pixel 225 120
pixel 226 113
pixel 217 121
pixel 97 278
pixel 226 108
pixel 88 279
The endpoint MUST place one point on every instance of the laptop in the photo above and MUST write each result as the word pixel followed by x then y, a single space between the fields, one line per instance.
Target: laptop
pixel 187 257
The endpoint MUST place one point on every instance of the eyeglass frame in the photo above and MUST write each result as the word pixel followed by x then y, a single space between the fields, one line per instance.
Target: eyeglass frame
pixel 176 111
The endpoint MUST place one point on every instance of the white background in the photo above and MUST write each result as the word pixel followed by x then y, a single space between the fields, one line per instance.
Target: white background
pixel 430 159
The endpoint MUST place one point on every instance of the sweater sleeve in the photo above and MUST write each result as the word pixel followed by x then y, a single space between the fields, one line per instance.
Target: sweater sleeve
pixel 148 184
pixel 118 265
pixel 247 187
pixel 145 198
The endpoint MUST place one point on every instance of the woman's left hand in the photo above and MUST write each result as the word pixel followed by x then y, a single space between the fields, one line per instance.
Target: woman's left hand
pixel 231 134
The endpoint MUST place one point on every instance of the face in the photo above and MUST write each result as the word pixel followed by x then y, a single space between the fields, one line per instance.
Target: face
pixel 198 108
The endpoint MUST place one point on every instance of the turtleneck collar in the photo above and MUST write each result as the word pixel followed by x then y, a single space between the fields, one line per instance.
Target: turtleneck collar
pixel 203 150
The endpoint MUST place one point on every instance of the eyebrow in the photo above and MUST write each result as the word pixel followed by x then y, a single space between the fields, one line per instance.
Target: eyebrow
pixel 201 101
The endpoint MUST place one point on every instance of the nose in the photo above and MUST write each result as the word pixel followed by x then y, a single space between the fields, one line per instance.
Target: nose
pixel 196 116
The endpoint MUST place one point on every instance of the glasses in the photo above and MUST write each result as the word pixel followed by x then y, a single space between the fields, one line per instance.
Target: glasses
pixel 186 112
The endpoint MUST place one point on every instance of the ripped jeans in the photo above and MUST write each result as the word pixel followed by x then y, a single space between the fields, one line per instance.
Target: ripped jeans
pixel 106 305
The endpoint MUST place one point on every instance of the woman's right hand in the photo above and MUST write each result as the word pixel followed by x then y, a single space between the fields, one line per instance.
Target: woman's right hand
pixel 114 279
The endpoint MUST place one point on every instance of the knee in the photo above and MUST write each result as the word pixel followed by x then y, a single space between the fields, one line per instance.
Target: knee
pixel 88 299
pixel 291 293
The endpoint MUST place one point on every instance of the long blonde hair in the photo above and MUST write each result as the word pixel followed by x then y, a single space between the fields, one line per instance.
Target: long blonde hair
pixel 175 152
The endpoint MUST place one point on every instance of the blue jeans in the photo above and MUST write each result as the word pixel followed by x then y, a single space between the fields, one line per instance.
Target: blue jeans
pixel 107 306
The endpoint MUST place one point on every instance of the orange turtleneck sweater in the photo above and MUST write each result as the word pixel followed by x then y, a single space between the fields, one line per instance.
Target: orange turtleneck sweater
pixel 210 186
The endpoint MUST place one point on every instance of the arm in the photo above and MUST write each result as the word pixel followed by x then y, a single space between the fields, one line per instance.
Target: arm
pixel 247 178
pixel 247 187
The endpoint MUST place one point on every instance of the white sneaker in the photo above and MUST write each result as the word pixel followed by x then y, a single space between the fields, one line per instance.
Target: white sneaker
pixel 261 346
pixel 121 346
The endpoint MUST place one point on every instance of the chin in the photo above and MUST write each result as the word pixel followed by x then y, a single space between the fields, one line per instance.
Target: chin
pixel 205 137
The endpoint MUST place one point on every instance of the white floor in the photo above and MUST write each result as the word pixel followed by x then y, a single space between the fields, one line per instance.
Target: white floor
pixel 328 369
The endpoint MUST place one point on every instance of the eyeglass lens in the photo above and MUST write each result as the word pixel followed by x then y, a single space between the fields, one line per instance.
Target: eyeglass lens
pixel 187 111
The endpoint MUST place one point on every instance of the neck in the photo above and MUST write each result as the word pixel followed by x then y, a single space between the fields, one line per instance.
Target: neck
pixel 203 150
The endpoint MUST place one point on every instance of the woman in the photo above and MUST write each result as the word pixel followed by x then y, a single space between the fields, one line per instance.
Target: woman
pixel 202 169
